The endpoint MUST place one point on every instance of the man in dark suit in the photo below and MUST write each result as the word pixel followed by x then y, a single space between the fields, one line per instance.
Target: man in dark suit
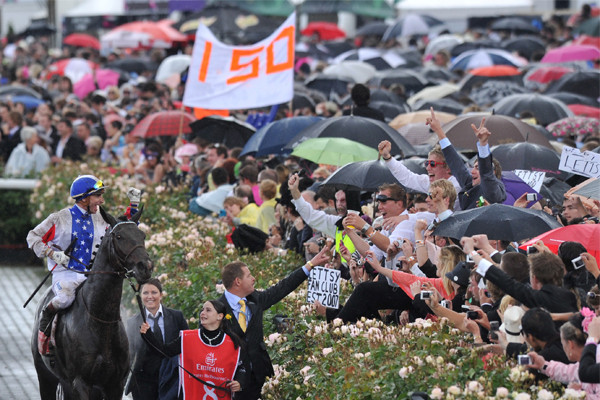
pixel 484 179
pixel 147 362
pixel 69 146
pixel 360 97
pixel 13 136
pixel 246 306
pixel 546 274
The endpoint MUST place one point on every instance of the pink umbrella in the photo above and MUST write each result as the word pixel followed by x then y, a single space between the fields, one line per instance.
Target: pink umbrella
pixel 104 78
pixel 575 52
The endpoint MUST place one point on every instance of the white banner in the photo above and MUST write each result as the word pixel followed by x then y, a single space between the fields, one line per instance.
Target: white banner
pixel 324 285
pixel 586 163
pixel 534 179
pixel 239 77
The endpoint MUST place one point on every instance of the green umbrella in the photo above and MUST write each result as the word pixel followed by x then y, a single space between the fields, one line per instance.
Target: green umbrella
pixel 334 151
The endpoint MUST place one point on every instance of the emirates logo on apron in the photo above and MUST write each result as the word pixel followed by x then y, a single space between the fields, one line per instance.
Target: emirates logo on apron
pixel 210 359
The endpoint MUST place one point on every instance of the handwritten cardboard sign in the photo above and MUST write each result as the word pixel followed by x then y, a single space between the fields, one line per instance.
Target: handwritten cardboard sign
pixel 586 163
pixel 324 285
pixel 534 179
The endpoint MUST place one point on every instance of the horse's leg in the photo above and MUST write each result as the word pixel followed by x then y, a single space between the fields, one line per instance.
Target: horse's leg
pixel 46 379
pixel 81 390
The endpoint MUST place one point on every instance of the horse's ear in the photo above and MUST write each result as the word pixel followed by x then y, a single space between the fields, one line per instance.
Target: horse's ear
pixel 107 217
pixel 137 215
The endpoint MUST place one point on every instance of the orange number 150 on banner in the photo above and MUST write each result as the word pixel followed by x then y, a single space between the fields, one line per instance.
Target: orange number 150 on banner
pixel 237 54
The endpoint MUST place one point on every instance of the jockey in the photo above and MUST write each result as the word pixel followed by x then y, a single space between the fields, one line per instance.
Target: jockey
pixel 81 225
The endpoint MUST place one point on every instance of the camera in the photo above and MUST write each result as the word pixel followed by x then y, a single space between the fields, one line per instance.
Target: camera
pixel 472 314
pixel 426 294
pixel 531 250
pixel 494 325
pixel 523 359
pixel 321 242
pixel 445 303
pixel 577 262
pixel 531 196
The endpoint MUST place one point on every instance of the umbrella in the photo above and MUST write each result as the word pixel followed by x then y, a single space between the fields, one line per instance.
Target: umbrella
pixel 515 187
pixel 513 24
pixel 137 65
pixel 230 24
pixel 172 65
pixel 586 234
pixel 271 138
pixel 574 126
pixel 495 73
pixel 442 42
pixel 418 134
pixel 528 156
pixel 325 30
pixel 554 189
pixel 38 28
pixel 591 27
pixel 484 58
pixel 387 96
pixel 389 110
pixel 358 71
pixel 446 105
pixel 411 80
pixel 498 222
pixel 379 58
pixel 226 130
pixel 372 29
pixel 98 80
pixel 493 91
pixel 362 175
pixel 526 46
pixel 437 74
pixel 142 34
pixel 18 90
pixel 73 68
pixel 433 93
pixel 574 52
pixel 82 40
pixel 504 129
pixel 546 74
pixel 328 84
pixel 334 151
pixel 411 24
pixel 302 100
pixel 586 83
pixel 585 111
pixel 545 109
pixel 585 39
pixel 164 123
pixel 479 44
pixel 419 117
pixel 363 130
pixel 30 102
pixel 589 189
pixel 574 98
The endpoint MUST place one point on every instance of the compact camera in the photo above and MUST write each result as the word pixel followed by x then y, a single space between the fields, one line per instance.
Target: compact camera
pixel 531 250
pixel 426 294
pixel 577 262
pixel 472 314
pixel 446 303
pixel 494 327
pixel 531 196
pixel 523 359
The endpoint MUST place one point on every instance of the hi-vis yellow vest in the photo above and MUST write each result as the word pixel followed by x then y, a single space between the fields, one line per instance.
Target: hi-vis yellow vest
pixel 347 242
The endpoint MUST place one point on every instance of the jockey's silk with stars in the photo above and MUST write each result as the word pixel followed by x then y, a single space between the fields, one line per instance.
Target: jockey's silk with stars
pixel 83 230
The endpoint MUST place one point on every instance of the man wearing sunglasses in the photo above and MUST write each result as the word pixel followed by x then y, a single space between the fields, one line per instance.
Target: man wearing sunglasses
pixel 481 181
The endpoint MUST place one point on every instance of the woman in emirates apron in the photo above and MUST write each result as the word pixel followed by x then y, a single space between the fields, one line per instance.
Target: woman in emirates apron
pixel 210 360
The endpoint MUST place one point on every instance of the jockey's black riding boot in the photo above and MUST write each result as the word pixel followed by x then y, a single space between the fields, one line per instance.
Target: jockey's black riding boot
pixel 46 318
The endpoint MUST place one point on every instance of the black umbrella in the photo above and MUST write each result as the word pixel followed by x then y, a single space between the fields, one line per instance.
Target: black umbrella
pixel 386 95
pixel 411 80
pixel 363 130
pixel 544 109
pixel 554 190
pixel 17 90
pixel 446 105
pixel 470 81
pixel 328 85
pixel 526 46
pixel 493 91
pixel 362 175
pixel 480 44
pixel 372 29
pixel 390 110
pixel 498 222
pixel 586 83
pixel 137 65
pixel 302 100
pixel 39 28
pixel 226 130
pixel 528 156
pixel 514 24
pixel 574 98
pixel 438 74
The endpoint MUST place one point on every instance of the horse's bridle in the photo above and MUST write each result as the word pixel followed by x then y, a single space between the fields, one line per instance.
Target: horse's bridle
pixel 120 260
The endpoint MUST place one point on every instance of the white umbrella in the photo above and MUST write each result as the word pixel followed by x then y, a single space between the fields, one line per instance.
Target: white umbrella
pixel 433 93
pixel 175 64
pixel 379 58
pixel 411 24
pixel 360 71
pixel 484 58
pixel 124 39
pixel 442 42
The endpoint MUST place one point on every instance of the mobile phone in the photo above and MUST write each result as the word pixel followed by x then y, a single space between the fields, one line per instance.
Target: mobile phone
pixel 480 201
pixel 472 314
pixel 523 359
pixel 531 250
pixel 531 196
pixel 445 303
pixel 577 262
pixel 426 294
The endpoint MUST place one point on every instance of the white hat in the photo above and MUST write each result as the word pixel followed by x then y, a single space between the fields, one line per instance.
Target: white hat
pixel 512 324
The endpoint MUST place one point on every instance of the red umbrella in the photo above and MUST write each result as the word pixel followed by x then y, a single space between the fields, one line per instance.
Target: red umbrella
pixel 586 234
pixel 585 111
pixel 496 70
pixel 82 40
pixel 590 40
pixel 325 30
pixel 164 123
pixel 548 74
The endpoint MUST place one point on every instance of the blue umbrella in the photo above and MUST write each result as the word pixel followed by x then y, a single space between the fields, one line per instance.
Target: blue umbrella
pixel 271 138
pixel 28 101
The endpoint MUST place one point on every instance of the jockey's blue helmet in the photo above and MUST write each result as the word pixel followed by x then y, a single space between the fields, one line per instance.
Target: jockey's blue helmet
pixel 85 185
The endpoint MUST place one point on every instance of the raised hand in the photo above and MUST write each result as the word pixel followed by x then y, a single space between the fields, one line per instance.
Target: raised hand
pixel 435 125
pixel 481 132
pixel 385 149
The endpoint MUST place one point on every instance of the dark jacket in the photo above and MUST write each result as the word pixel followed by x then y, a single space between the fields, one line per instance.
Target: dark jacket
pixel 552 351
pixel 491 188
pixel 74 149
pixel 589 369
pixel 8 144
pixel 365 111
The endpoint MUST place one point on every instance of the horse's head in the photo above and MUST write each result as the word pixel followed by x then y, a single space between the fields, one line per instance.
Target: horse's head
pixel 126 246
